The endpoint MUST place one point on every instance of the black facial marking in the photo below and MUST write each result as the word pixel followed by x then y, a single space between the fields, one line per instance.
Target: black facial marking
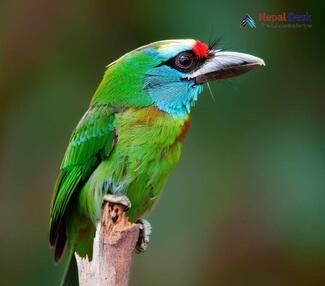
pixel 184 62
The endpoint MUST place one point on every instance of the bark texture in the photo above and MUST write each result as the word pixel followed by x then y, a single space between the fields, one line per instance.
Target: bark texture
pixel 114 244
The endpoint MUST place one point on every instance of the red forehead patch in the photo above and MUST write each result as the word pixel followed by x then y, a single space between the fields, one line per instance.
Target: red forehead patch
pixel 200 49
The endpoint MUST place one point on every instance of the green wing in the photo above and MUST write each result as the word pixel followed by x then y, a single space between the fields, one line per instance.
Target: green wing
pixel 91 142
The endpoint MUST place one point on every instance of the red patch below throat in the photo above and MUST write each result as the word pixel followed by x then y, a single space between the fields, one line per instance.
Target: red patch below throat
pixel 183 132
pixel 200 49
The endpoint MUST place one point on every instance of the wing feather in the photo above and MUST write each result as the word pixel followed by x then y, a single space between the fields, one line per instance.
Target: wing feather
pixel 87 148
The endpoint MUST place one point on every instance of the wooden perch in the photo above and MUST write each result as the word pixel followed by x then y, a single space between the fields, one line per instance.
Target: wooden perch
pixel 114 244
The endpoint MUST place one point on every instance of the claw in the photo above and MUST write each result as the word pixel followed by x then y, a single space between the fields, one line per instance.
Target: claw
pixel 118 199
pixel 144 236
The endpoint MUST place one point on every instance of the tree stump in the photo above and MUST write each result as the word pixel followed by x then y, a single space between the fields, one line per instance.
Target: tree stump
pixel 113 247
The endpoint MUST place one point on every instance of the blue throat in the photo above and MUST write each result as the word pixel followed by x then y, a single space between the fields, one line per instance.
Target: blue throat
pixel 170 91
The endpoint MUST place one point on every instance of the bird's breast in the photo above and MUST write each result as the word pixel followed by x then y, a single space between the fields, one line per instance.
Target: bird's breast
pixel 148 146
pixel 150 126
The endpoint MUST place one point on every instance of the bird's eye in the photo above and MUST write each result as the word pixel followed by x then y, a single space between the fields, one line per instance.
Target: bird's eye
pixel 185 61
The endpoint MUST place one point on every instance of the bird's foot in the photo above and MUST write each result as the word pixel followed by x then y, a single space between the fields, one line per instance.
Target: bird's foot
pixel 119 200
pixel 117 205
pixel 144 235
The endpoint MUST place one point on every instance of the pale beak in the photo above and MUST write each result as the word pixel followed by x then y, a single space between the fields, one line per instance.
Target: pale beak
pixel 223 64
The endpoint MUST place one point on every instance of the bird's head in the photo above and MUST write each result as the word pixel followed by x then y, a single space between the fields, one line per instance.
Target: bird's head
pixel 169 74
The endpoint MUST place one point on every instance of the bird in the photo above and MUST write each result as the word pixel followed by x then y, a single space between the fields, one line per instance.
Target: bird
pixel 130 138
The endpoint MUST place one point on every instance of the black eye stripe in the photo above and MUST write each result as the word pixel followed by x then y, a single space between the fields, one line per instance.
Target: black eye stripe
pixel 184 62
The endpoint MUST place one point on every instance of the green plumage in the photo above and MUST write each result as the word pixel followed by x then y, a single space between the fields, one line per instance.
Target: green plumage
pixel 140 172
pixel 122 145
pixel 103 158
pixel 89 145
pixel 130 138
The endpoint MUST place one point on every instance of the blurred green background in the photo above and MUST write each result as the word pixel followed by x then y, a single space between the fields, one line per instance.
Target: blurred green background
pixel 245 206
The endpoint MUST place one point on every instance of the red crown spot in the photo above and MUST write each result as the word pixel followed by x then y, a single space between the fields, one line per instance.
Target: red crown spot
pixel 200 49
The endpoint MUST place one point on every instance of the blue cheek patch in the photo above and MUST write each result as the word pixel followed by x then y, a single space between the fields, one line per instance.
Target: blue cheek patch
pixel 170 91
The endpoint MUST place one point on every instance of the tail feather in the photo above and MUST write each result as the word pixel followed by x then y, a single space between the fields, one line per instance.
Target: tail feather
pixel 60 241
pixel 70 277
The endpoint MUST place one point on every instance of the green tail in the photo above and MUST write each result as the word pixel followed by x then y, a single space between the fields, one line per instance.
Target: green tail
pixel 70 277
